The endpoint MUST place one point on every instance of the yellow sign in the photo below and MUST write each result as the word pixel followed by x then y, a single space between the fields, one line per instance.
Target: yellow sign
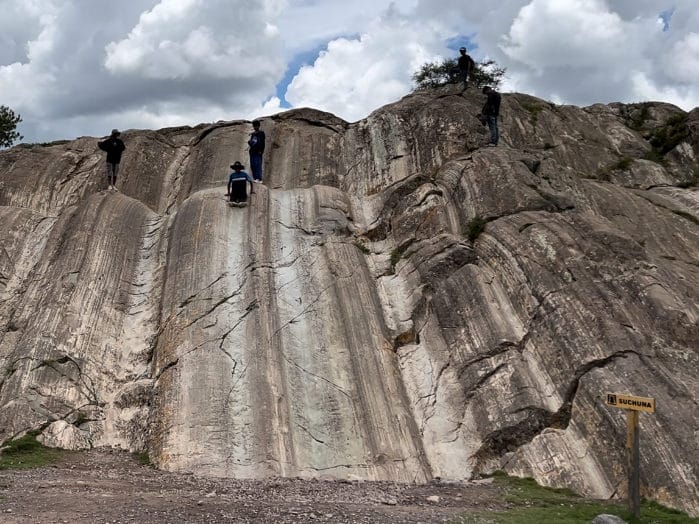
pixel 630 402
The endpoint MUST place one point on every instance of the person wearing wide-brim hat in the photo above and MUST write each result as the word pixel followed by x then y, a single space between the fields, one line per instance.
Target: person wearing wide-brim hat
pixel 114 147
pixel 238 185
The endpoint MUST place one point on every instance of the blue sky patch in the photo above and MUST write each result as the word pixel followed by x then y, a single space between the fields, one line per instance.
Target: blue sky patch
pixel 665 16
pixel 468 42
pixel 297 62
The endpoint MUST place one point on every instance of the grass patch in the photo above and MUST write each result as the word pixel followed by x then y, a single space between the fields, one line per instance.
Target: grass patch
pixel 604 174
pixel 693 179
pixel 671 134
pixel 143 458
pixel 475 227
pixel 666 138
pixel 637 118
pixel 361 247
pixel 535 504
pixel 30 145
pixel 534 110
pixel 622 164
pixel 654 156
pixel 398 253
pixel 26 452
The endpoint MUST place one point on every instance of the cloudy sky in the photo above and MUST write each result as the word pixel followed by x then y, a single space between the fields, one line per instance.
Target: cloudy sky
pixel 81 67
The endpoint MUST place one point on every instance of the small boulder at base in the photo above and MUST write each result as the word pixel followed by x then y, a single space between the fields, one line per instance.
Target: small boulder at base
pixel 605 518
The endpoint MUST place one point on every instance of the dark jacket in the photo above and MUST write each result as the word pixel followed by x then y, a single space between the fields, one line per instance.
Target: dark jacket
pixel 237 177
pixel 466 64
pixel 113 146
pixel 492 104
pixel 257 143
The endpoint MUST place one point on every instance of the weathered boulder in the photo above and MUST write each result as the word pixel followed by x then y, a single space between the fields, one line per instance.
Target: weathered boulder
pixel 397 302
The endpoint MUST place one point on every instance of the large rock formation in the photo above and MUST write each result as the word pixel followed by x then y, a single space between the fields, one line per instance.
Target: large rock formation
pixel 354 320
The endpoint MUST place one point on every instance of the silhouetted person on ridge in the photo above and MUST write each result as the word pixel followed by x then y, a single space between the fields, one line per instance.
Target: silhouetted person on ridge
pixel 490 113
pixel 114 147
pixel 238 185
pixel 466 65
pixel 257 148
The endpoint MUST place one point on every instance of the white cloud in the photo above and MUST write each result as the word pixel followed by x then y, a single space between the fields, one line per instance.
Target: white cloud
pixel 308 23
pixel 179 39
pixel 558 33
pixel 644 88
pixel 189 62
pixel 75 67
pixel 353 76
pixel 682 62
pixel 586 51
pixel 20 23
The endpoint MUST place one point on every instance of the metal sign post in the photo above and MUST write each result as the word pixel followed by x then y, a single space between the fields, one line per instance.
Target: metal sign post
pixel 632 405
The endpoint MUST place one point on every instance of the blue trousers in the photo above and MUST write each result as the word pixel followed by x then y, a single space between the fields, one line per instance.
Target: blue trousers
pixel 256 166
pixel 493 126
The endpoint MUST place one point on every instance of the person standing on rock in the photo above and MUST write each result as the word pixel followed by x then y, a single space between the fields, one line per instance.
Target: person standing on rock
pixel 466 65
pixel 114 147
pixel 490 113
pixel 238 185
pixel 257 148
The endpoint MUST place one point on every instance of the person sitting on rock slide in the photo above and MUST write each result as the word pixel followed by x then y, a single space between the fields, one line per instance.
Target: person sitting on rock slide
pixel 238 185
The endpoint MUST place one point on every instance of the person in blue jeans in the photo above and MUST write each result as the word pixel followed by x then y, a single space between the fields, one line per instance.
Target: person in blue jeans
pixel 257 148
pixel 490 112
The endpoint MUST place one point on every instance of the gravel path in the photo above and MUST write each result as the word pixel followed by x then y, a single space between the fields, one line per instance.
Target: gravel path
pixel 103 486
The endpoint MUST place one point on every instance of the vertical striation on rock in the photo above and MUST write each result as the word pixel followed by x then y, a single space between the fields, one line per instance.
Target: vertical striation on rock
pixel 396 303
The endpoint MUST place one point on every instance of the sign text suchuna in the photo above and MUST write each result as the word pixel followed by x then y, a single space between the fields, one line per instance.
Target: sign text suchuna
pixel 630 402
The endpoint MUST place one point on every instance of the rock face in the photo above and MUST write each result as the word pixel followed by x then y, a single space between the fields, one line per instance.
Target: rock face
pixel 397 302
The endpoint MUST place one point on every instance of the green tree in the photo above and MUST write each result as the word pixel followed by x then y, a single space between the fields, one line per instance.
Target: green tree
pixel 437 74
pixel 8 126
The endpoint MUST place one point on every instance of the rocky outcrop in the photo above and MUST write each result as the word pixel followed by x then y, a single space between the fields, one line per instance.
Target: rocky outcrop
pixel 397 302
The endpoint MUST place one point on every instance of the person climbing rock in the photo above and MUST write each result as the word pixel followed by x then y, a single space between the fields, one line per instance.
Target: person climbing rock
pixel 491 111
pixel 114 147
pixel 238 185
pixel 466 65
pixel 257 148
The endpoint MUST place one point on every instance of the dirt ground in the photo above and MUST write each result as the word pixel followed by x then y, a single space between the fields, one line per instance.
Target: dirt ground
pixel 103 486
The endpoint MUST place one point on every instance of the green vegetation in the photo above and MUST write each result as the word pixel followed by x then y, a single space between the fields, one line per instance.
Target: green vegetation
pixel 397 254
pixel 25 145
pixel 622 164
pixel 654 156
pixel 533 109
pixel 637 118
pixel 475 227
pixel 143 458
pixel 361 247
pixel 666 138
pixel 671 134
pixel 604 173
pixel 693 179
pixel 27 452
pixel 8 126
pixel 437 74
pixel 534 504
